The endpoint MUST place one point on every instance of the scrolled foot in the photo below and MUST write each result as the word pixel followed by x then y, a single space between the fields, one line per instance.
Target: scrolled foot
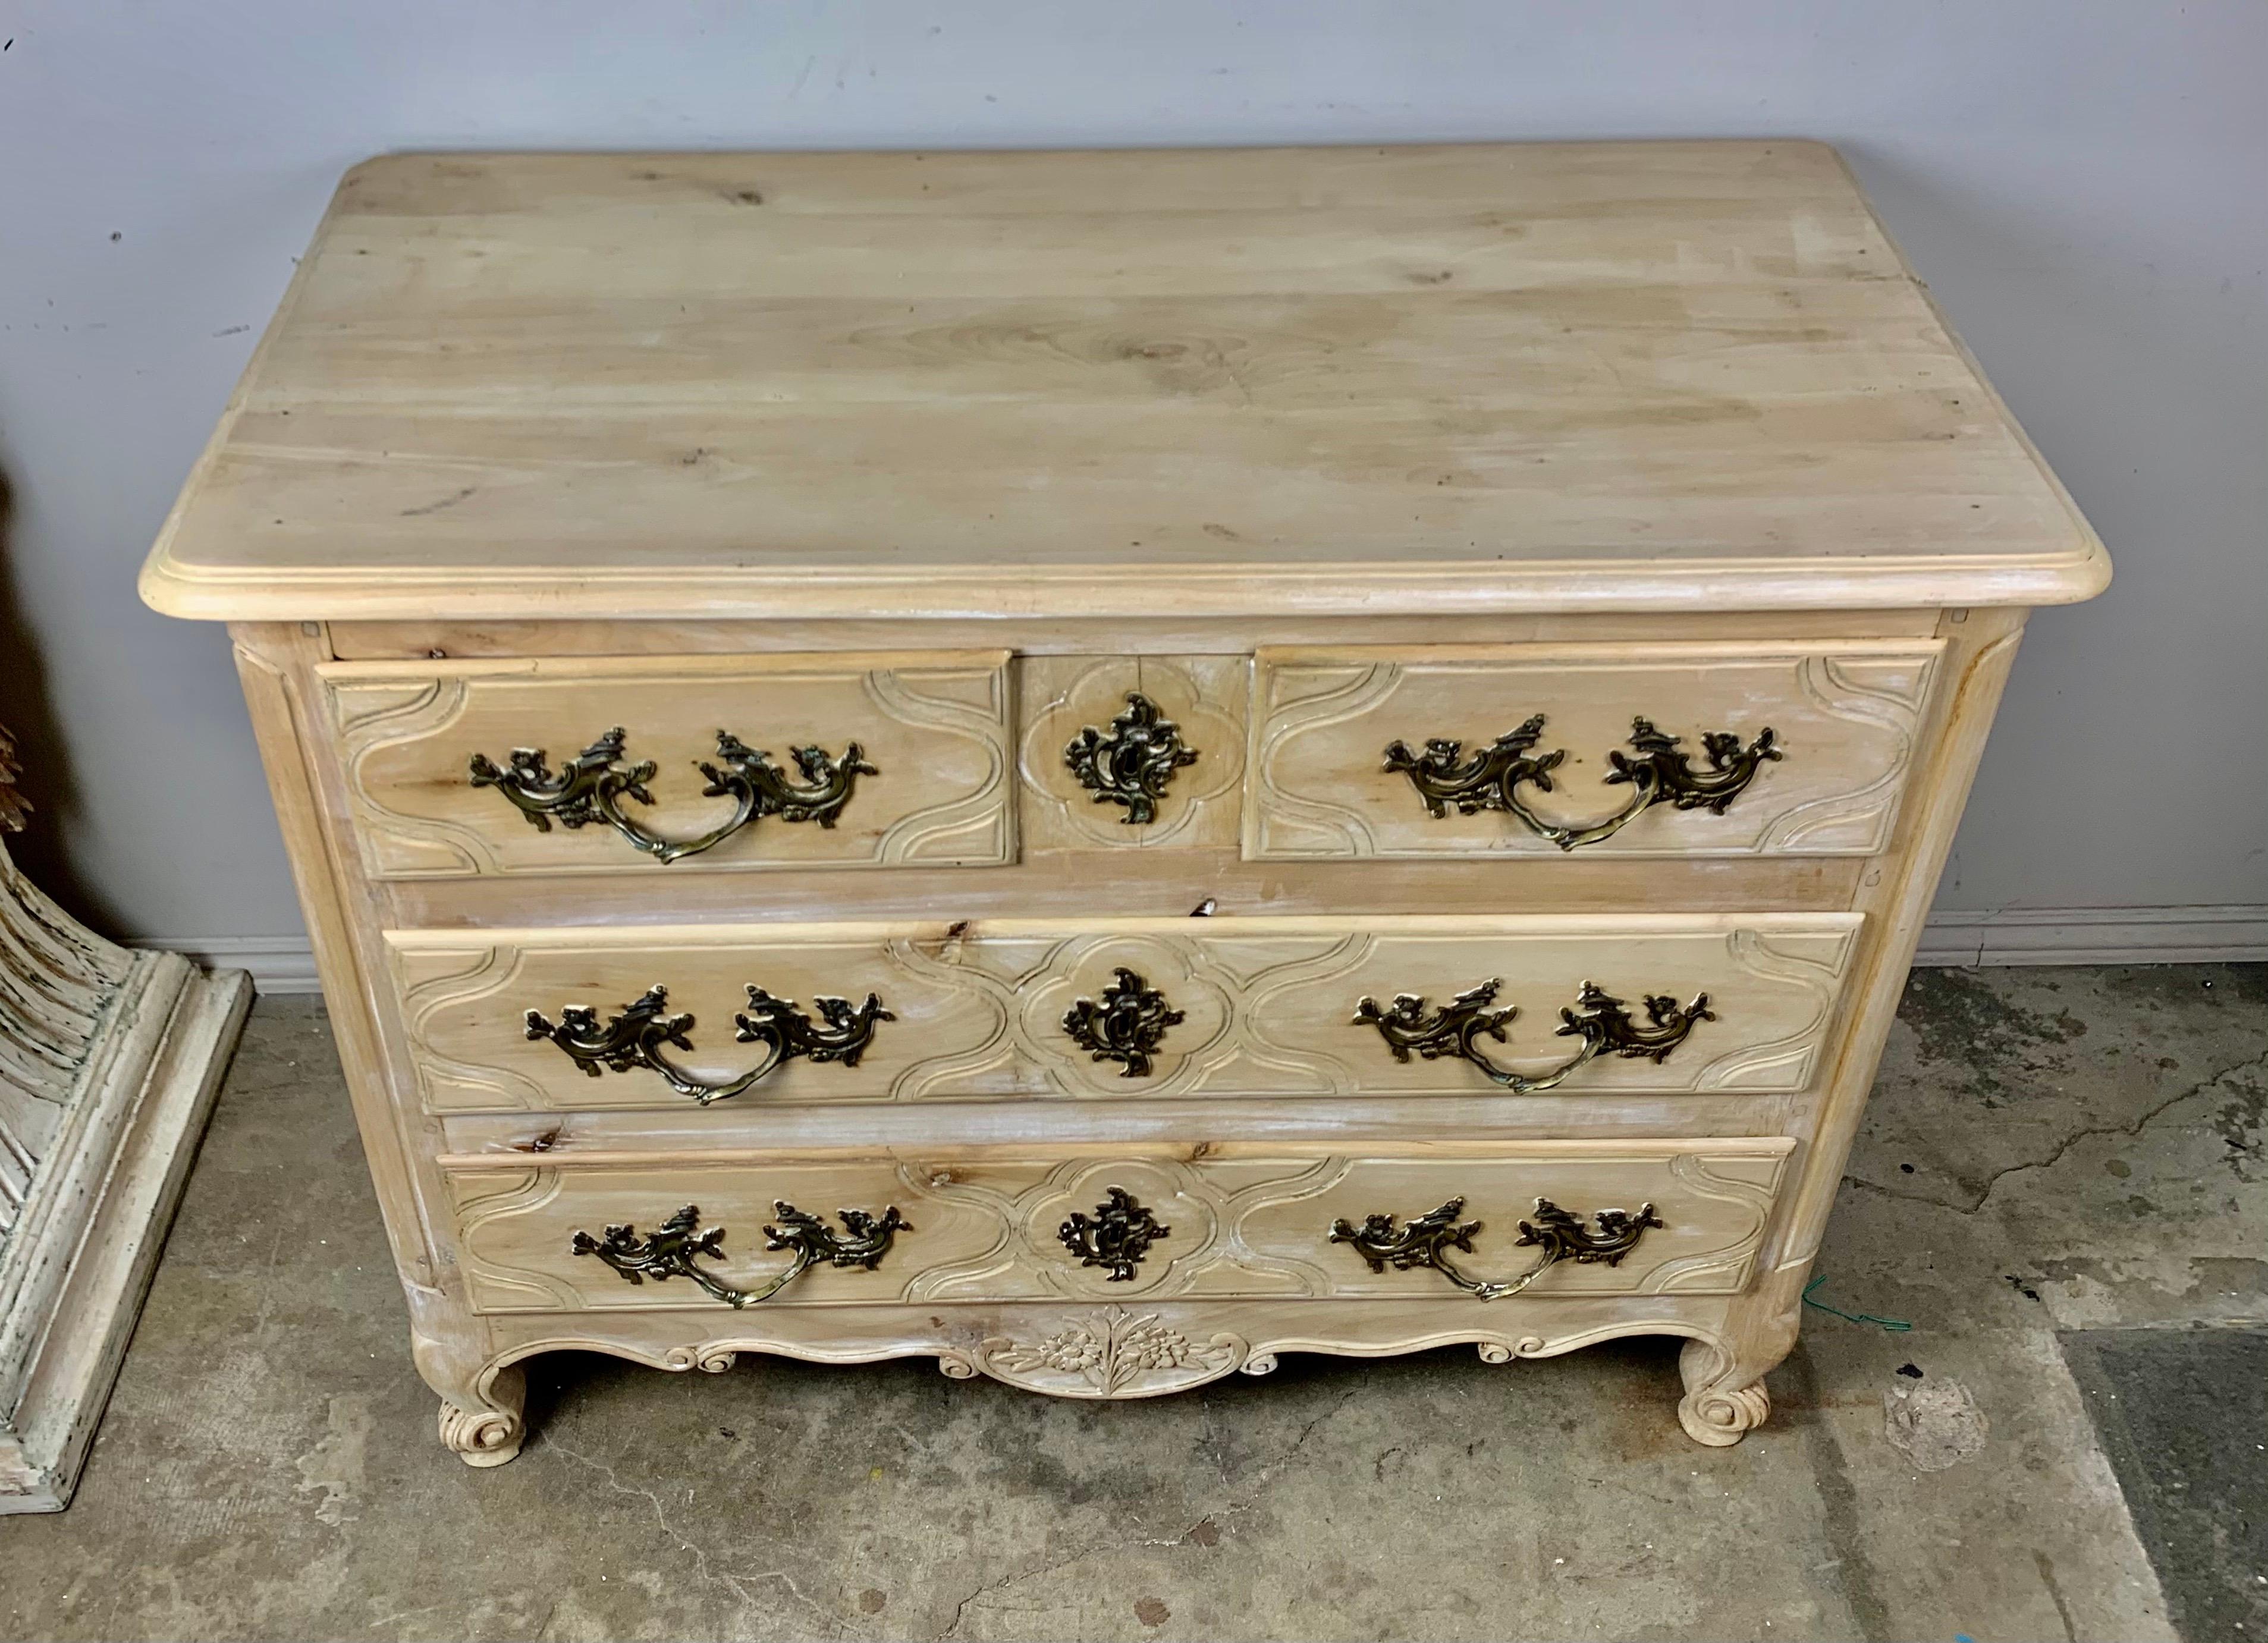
pixel 481 1437
pixel 1724 1374
pixel 492 1433
pixel 1722 1419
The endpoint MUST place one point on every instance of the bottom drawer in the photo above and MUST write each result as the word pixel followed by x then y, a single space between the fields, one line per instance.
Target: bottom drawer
pixel 1227 1221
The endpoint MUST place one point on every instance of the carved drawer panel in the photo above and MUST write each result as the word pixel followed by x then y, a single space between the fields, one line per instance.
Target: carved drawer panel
pixel 1418 1005
pixel 630 764
pixel 1693 749
pixel 1141 751
pixel 1225 1220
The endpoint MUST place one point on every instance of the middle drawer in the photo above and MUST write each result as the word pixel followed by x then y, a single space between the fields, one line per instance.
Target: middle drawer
pixel 581 1017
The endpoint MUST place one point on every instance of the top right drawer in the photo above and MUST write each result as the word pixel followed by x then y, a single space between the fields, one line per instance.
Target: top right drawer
pixel 1652 749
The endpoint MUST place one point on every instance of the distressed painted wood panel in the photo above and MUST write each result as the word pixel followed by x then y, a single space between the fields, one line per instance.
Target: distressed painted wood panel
pixel 1845 718
pixel 109 1063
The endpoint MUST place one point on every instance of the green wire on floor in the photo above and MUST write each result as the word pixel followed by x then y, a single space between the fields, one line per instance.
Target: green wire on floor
pixel 1898 1326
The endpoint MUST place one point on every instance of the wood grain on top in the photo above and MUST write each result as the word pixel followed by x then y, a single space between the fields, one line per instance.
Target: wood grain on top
pixel 1570 377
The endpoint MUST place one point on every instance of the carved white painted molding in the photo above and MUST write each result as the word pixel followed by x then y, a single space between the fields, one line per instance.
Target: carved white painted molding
pixel 60 988
pixel 108 1061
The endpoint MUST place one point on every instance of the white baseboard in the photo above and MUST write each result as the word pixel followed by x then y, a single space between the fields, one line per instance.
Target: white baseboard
pixel 2053 935
pixel 2096 935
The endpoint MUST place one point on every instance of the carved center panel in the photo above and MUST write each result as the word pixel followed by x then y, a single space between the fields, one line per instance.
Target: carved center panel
pixel 1064 697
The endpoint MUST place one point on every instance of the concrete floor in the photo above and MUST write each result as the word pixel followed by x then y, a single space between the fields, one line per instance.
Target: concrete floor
pixel 2048 1150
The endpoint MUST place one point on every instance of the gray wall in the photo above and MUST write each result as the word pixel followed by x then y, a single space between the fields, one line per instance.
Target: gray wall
pixel 2080 180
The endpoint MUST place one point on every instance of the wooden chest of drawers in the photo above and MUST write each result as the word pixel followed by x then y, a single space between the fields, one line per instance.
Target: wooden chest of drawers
pixel 1103 766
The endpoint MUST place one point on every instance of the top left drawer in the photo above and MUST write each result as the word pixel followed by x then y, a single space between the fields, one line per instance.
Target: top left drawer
pixel 614 765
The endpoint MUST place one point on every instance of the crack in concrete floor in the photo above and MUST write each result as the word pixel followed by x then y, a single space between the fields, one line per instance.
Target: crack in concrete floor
pixel 2212 1081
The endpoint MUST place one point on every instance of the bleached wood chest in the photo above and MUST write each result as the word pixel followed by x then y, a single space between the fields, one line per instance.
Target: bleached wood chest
pixel 1103 766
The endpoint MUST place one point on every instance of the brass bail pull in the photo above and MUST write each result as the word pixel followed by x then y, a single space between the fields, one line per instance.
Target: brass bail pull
pixel 1426 1240
pixel 636 1034
pixel 1658 772
pixel 1601 1021
pixel 675 1246
pixel 596 781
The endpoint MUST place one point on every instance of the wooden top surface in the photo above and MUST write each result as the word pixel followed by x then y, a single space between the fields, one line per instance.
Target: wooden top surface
pixel 1534 377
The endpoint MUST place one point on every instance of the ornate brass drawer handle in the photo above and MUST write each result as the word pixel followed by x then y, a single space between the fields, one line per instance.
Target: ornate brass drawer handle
pixel 1425 1241
pixel 1132 764
pixel 865 1240
pixel 597 780
pixel 1659 771
pixel 1598 1018
pixel 634 1036
pixel 1127 1026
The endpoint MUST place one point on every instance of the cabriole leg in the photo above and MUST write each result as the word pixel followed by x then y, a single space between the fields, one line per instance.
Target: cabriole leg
pixel 1725 1396
pixel 483 1415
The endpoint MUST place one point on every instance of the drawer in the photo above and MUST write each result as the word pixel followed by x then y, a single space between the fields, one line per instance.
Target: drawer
pixel 1135 1007
pixel 1260 1221
pixel 1697 749
pixel 460 768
